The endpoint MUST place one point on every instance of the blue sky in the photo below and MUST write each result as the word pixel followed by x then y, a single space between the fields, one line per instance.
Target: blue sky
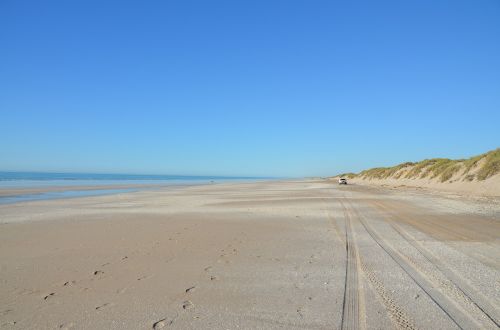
pixel 279 88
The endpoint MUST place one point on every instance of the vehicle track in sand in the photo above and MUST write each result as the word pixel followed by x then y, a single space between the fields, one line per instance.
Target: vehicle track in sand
pixel 396 313
pixel 452 230
pixel 459 288
pixel 351 313
pixel 351 305
pixel 461 318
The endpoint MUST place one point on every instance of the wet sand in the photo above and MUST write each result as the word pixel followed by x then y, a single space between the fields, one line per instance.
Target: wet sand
pixel 40 190
pixel 289 254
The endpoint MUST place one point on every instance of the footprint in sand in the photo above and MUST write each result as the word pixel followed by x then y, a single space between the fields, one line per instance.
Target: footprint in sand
pixel 213 278
pixel 66 326
pixel 103 306
pixel 191 289
pixel 299 311
pixel 162 324
pixel 98 272
pixel 187 304
pixel 145 277
pixel 69 283
pixel 49 295
pixel 208 268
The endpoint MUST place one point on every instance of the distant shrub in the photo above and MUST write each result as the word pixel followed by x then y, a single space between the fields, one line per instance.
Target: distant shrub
pixel 437 167
pixel 471 162
pixel 416 171
pixel 449 171
pixel 491 165
pixel 384 172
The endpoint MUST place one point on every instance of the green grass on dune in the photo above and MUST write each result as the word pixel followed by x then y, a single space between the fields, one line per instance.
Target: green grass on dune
pixel 444 169
pixel 449 171
pixel 441 168
pixel 417 169
pixel 491 165
pixel 347 175
pixel 472 162
pixel 384 172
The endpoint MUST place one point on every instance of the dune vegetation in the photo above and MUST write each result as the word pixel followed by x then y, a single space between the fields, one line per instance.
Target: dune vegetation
pixel 479 168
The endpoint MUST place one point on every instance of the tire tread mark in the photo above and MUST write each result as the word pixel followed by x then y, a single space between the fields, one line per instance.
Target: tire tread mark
pixel 350 310
pixel 466 292
pixel 487 261
pixel 456 315
pixel 398 316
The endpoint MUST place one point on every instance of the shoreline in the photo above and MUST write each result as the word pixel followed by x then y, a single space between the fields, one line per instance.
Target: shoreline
pixel 11 192
pixel 32 190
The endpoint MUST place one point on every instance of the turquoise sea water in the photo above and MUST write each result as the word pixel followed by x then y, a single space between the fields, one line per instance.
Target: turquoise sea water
pixel 12 180
pixel 40 179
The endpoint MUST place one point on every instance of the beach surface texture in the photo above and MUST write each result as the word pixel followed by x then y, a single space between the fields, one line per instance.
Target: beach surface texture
pixel 297 254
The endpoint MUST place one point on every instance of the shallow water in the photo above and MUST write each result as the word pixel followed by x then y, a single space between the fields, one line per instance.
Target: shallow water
pixel 60 194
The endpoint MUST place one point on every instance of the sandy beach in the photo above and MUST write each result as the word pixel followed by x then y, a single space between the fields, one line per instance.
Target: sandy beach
pixel 305 254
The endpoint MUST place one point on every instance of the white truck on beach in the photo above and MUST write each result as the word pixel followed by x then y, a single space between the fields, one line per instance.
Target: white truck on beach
pixel 342 181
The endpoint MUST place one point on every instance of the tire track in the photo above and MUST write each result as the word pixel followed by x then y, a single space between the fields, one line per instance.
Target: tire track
pixel 351 306
pixel 398 316
pixel 462 320
pixel 476 255
pixel 459 289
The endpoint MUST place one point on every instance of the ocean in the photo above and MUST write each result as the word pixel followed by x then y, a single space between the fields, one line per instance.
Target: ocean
pixel 41 179
pixel 102 182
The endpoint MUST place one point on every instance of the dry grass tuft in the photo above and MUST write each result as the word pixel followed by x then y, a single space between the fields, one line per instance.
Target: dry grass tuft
pixel 442 169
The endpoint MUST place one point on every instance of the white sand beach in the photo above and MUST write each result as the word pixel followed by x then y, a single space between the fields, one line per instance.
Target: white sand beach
pixel 280 254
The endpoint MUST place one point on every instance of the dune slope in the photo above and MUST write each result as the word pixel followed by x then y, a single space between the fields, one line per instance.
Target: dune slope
pixel 478 175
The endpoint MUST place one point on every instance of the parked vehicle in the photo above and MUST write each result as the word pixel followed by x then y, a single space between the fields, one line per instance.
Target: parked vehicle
pixel 342 181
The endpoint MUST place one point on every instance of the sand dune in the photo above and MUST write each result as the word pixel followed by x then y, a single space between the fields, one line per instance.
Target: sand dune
pixel 478 175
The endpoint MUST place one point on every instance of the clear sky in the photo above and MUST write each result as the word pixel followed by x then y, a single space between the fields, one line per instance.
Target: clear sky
pixel 279 88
